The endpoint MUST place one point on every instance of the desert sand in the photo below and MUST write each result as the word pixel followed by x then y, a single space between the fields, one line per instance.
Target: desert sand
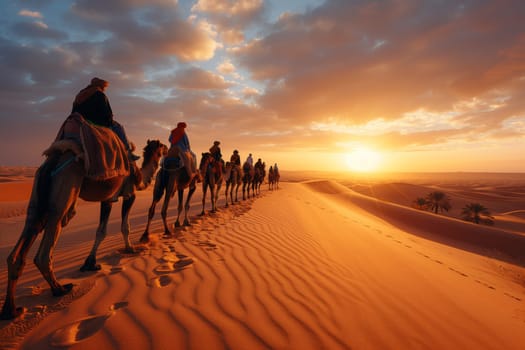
pixel 323 262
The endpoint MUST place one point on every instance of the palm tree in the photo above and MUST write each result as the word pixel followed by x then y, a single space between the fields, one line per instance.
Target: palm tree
pixel 420 203
pixel 476 213
pixel 438 200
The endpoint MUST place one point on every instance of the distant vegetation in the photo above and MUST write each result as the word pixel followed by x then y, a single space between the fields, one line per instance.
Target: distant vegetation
pixel 434 201
pixel 477 213
pixel 438 201
pixel 420 203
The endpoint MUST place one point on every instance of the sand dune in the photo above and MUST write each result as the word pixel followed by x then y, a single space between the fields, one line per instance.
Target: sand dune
pixel 312 265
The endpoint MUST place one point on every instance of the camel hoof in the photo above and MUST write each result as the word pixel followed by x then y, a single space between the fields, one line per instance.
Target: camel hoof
pixel 10 314
pixel 130 250
pixel 90 264
pixel 176 224
pixel 144 238
pixel 63 290
pixel 187 223
pixel 202 213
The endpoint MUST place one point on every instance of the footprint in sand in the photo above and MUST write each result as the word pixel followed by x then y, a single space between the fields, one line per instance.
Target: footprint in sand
pixel 164 268
pixel 35 290
pixel 116 269
pixel 170 257
pixel 161 281
pixel 460 273
pixel 512 296
pixel 164 279
pixel 84 328
pixel 182 264
pixel 209 245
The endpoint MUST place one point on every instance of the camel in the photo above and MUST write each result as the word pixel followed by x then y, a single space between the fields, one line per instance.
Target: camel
pixel 171 178
pixel 276 176
pixel 58 183
pixel 247 179
pixel 212 179
pixel 152 153
pixel 273 178
pixel 233 176
pixel 258 178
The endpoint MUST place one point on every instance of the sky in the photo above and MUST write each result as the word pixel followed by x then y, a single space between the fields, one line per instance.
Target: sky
pixel 336 85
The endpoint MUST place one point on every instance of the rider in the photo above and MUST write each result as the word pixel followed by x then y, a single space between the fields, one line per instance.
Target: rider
pixel 179 139
pixel 249 160
pixel 258 164
pixel 235 159
pixel 93 104
pixel 215 151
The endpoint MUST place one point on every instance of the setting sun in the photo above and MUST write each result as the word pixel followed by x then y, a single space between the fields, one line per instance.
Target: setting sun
pixel 363 160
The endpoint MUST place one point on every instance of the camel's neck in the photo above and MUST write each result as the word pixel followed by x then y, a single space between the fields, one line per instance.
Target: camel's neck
pixel 148 171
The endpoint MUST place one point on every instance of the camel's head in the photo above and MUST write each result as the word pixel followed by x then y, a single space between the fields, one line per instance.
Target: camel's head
pixel 152 154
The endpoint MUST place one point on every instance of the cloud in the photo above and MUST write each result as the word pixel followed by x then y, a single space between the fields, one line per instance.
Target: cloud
pixel 37 30
pixel 226 67
pixel 231 17
pixel 356 62
pixel 196 78
pixel 156 31
pixel 250 92
pixel 28 13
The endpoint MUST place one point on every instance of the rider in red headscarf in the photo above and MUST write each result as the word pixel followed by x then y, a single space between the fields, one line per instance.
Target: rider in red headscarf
pixel 179 139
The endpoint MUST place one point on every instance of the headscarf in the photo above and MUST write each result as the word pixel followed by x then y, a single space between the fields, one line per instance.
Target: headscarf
pixel 177 133
pixel 95 85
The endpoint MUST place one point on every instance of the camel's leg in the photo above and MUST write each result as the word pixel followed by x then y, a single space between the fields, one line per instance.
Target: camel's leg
pixel 180 194
pixel 15 265
pixel 216 196
pixel 164 212
pixel 226 194
pixel 187 204
pixel 90 264
pixel 204 192
pixel 158 192
pixel 151 212
pixel 212 199
pixel 63 194
pixel 127 203
pixel 212 196
pixel 44 257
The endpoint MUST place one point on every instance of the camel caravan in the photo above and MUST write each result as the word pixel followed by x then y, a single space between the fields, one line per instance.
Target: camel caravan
pixel 92 159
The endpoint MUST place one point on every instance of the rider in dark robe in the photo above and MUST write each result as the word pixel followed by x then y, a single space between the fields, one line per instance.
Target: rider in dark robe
pixel 93 104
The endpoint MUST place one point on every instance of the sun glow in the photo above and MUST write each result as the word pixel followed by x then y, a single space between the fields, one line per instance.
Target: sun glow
pixel 363 160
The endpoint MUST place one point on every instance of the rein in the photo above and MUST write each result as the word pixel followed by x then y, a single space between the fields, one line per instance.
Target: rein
pixel 63 166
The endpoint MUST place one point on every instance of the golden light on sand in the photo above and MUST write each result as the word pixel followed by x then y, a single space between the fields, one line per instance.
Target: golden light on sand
pixel 362 159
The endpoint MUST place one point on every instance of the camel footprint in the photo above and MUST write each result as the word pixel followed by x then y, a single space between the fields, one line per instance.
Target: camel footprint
pixel 84 328
pixel 172 264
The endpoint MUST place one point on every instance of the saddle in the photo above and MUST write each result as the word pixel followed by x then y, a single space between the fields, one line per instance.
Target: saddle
pixel 104 154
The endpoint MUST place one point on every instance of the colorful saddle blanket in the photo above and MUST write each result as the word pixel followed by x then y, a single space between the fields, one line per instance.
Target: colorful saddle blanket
pixel 104 154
